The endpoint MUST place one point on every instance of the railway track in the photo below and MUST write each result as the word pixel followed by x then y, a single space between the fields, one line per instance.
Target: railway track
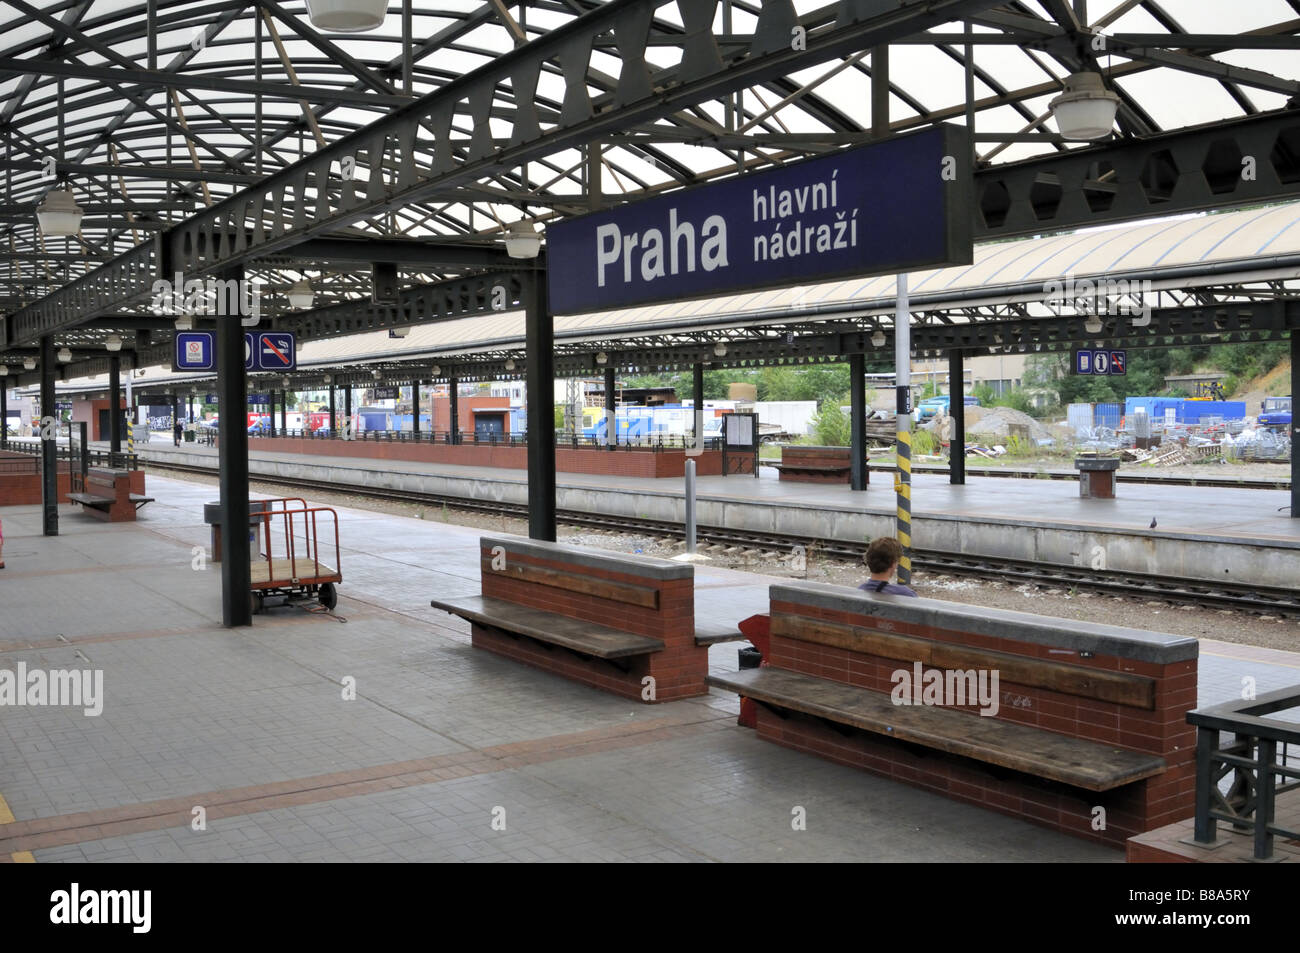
pixel 1236 596
pixel 1205 478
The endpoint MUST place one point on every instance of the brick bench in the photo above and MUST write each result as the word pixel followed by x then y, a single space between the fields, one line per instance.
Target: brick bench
pixel 1085 716
pixel 815 464
pixel 108 497
pixel 604 619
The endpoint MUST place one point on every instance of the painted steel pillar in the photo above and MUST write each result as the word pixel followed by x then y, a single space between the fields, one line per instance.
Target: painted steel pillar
pixel 415 407
pixel 697 386
pixel 611 410
pixel 4 415
pixel 957 410
pixel 114 403
pixel 540 394
pixel 1295 424
pixel 453 399
pixel 49 441
pixel 232 393
pixel 858 421
pixel 333 424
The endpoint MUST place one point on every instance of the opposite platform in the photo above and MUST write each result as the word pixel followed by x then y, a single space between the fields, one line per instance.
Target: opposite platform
pixel 1205 533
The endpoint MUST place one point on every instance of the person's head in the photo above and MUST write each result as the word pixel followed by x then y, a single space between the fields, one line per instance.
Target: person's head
pixel 883 555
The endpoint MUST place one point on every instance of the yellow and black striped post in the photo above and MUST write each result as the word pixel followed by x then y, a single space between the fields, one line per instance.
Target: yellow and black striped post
pixel 903 491
pixel 130 435
pixel 903 427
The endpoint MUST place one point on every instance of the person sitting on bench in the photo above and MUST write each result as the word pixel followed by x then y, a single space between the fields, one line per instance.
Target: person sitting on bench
pixel 882 560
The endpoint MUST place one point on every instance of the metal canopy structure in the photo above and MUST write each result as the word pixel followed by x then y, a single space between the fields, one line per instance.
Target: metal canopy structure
pixel 202 136
pixel 231 140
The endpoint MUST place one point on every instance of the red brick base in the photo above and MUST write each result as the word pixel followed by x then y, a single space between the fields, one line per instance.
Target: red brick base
pixel 1053 805
pixel 597 673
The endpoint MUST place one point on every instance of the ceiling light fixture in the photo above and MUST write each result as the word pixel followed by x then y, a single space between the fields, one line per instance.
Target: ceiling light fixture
pixel 114 343
pixel 64 355
pixel 510 363
pixel 4 370
pixel 435 371
pixel 522 241
pixel 720 349
pixel 878 339
pixel 602 358
pixel 29 363
pixel 59 214
pixel 301 295
pixel 1085 109
pixel 185 322
pixel 347 16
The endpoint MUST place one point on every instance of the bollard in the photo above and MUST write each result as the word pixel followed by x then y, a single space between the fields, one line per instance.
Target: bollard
pixel 690 506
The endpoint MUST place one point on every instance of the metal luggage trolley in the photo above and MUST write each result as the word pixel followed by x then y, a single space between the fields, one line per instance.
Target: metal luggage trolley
pixel 288 560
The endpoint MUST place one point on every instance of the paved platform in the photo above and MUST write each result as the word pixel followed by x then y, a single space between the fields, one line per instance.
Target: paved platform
pixel 1206 533
pixel 251 725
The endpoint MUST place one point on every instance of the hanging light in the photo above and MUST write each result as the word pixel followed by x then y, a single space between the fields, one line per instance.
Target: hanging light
pixel 4 370
pixel 347 16
pixel 522 240
pixel 29 363
pixel 114 342
pixel 602 358
pixel 185 322
pixel 435 371
pixel 720 349
pixel 878 338
pixel 301 295
pixel 510 363
pixel 286 382
pixel 375 373
pixel 64 355
pixel 59 214
pixel 1086 109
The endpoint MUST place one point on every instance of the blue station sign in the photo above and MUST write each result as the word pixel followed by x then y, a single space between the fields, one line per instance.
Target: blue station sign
pixel 263 351
pixel 882 208
pixel 1101 363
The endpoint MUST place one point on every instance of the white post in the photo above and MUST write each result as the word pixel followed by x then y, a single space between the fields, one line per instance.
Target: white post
pixel 690 506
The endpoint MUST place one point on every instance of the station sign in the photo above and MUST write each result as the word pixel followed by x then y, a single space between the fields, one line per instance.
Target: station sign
pixel 386 393
pixel 263 351
pixel 883 208
pixel 1101 363
pixel 259 400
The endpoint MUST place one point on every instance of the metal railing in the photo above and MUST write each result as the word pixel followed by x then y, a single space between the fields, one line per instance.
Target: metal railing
pixel 655 442
pixel 1258 761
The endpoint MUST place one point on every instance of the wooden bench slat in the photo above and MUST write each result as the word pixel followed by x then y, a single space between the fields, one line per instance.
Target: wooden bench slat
pixel 1135 691
pixel 586 637
pixel 629 593
pixel 1036 751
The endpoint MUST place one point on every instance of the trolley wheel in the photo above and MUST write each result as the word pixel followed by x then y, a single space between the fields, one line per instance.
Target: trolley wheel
pixel 259 603
pixel 328 597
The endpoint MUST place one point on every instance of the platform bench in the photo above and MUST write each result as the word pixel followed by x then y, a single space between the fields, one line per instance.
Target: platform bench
pixel 618 622
pixel 1086 730
pixel 108 495
pixel 800 464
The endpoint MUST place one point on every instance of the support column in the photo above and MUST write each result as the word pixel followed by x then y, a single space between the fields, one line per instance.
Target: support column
pixel 284 412
pixel 347 403
pixel 453 398
pixel 333 424
pixel 176 413
pixel 4 415
pixel 903 424
pixel 114 403
pixel 858 421
pixel 415 407
pixel 49 443
pixel 1295 424
pixel 232 394
pixel 540 394
pixel 611 410
pixel 270 406
pixel 957 410
pixel 697 386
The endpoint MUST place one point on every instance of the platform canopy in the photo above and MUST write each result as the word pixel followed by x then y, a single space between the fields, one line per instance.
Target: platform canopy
pixel 209 139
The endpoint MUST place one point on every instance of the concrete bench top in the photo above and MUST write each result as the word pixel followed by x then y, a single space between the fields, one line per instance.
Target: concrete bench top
pixel 648 566
pixel 1138 644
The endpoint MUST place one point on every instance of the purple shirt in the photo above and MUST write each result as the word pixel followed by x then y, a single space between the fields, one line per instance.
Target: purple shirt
pixel 888 588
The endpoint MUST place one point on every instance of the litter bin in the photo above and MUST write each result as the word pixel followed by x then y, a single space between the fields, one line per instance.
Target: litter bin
pixel 189 436
pixel 750 657
pixel 256 517
pixel 1097 477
